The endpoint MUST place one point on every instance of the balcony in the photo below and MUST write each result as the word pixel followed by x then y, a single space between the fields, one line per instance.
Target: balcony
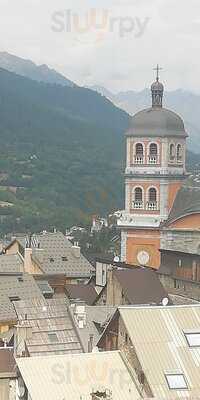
pixel 153 159
pixel 152 206
pixel 139 159
pixel 138 205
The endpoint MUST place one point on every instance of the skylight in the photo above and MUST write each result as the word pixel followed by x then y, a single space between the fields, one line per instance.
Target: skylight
pixel 176 381
pixel 193 339
pixel 53 337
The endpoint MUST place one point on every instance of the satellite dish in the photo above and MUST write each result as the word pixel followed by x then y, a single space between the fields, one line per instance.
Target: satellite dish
pixel 165 301
pixel 20 388
pixel 116 259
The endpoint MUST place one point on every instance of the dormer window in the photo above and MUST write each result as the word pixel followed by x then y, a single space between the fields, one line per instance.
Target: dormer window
pixel 153 153
pixel 139 153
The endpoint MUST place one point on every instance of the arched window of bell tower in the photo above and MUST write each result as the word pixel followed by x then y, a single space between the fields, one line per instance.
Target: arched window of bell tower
pixel 172 152
pixel 139 153
pixel 179 152
pixel 153 153
pixel 138 198
pixel 152 203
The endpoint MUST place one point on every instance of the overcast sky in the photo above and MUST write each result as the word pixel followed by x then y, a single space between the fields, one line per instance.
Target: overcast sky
pixel 117 50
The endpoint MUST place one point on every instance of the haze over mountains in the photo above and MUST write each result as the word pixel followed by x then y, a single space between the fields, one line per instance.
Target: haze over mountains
pixel 184 103
pixel 40 73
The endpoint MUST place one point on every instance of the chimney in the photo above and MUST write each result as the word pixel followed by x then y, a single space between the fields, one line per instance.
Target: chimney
pixel 76 250
pixel 80 315
pixel 90 343
pixel 28 266
pixel 24 331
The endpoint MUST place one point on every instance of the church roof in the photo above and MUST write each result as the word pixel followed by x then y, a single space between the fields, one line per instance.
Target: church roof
pixel 187 201
pixel 156 122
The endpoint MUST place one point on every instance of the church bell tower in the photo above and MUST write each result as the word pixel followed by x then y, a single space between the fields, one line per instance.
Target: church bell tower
pixel 155 171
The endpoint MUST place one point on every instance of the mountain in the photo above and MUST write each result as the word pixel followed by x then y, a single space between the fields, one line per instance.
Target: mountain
pixel 40 73
pixel 61 155
pixel 183 102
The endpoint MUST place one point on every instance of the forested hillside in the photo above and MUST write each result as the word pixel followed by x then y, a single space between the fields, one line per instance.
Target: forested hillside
pixel 62 148
pixel 62 155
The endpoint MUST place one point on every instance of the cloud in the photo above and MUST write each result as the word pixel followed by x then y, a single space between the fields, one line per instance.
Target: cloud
pixel 115 58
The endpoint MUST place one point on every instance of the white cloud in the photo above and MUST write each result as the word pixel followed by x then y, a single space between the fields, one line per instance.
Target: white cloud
pixel 171 37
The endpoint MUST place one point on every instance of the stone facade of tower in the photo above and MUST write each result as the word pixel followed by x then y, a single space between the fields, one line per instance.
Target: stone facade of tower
pixel 155 171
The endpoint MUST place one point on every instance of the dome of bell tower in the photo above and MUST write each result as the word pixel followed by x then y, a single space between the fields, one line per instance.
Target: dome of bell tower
pixel 156 121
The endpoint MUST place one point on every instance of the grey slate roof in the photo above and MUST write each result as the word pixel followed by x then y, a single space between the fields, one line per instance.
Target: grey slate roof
pixel 156 121
pixel 97 318
pixel 20 285
pixel 55 255
pixel 11 263
pixel 53 330
pixel 187 200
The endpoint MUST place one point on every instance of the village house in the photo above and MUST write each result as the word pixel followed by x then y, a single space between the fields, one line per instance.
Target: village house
pixel 90 322
pixel 161 344
pixel 92 376
pixel 15 287
pixel 45 328
pixel 121 284
pixel 51 254
pixel 180 272
pixel 8 374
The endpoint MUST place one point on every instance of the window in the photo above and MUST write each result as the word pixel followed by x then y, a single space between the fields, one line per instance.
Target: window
pixel 152 199
pixel 180 263
pixel 138 198
pixel 53 337
pixel 172 152
pixel 14 298
pixel 139 153
pixel 176 381
pixel 179 152
pixel 193 339
pixel 153 153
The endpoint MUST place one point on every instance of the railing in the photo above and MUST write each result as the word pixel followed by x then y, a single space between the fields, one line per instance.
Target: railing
pixel 139 159
pixel 153 159
pixel 137 205
pixel 152 205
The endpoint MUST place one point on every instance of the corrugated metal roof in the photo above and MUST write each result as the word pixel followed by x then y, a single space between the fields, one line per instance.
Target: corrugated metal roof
pixel 52 328
pixel 75 377
pixel 157 334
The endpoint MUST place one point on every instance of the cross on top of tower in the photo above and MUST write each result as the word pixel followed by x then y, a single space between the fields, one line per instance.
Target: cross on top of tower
pixel 157 69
